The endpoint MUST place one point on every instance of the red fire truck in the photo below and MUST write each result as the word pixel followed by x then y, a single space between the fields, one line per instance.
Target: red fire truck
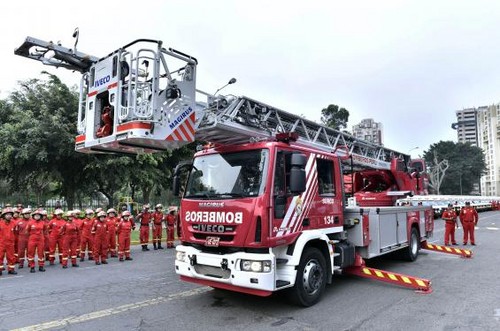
pixel 264 207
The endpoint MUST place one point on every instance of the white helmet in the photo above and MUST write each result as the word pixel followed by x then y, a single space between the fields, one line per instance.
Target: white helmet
pixel 26 211
pixel 89 212
pixel 58 212
pixel 159 206
pixel 125 213
pixel 101 214
pixel 111 210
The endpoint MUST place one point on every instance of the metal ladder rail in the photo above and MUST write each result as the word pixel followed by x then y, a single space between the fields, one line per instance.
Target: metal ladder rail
pixel 252 119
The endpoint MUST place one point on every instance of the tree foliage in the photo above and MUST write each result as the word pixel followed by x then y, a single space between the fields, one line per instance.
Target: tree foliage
pixel 466 165
pixel 37 130
pixel 335 117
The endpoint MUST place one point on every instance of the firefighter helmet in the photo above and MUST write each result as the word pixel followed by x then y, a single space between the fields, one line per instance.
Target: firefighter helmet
pixel 37 212
pixel 70 213
pixel 7 210
pixel 58 212
pixel 146 206
pixel 98 210
pixel 43 212
pixel 159 206
pixel 125 213
pixel 111 210
pixel 26 211
pixel 89 212
pixel 101 214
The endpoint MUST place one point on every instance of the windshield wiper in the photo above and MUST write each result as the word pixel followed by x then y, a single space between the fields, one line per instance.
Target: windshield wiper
pixel 199 195
pixel 232 195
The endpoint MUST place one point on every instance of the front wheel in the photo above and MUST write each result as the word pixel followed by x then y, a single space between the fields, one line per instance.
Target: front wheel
pixel 311 278
pixel 410 253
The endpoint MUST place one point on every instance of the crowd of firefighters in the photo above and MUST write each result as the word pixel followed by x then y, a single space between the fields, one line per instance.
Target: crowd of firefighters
pixel 26 234
pixel 468 218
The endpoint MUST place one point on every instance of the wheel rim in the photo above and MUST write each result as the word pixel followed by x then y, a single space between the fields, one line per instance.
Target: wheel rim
pixel 312 277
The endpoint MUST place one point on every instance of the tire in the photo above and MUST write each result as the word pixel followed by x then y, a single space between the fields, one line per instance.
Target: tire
pixel 311 278
pixel 410 253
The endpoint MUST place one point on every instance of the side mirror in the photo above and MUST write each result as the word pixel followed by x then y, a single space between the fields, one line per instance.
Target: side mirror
pixel 298 173
pixel 176 186
pixel 177 179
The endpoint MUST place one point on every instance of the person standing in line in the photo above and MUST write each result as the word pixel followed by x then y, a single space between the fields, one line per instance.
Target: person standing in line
pixel 46 238
pixel 86 242
pixel 8 230
pixel 158 218
pixel 170 220
pixel 77 219
pixel 112 222
pixel 69 234
pixel 15 219
pixel 145 219
pixel 123 229
pixel 22 242
pixel 450 218
pixel 469 219
pixel 35 230
pixel 56 241
pixel 100 232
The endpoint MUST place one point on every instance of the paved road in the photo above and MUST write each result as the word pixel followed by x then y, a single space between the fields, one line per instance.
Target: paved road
pixel 145 294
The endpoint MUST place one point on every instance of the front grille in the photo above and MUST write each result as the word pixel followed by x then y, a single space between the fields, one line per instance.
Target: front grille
pixel 203 236
pixel 210 271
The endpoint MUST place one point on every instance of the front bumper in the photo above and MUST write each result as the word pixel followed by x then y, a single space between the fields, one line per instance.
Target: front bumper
pixel 224 271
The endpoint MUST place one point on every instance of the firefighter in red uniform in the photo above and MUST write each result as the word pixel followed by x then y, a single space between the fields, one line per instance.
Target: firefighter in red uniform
pixel 15 219
pixel 35 231
pixel 86 242
pixel 55 240
pixel 69 234
pixel 145 218
pixel 158 218
pixel 125 225
pixel 78 222
pixel 46 238
pixel 100 232
pixel 112 222
pixel 450 218
pixel 469 219
pixel 170 220
pixel 22 242
pixel 8 229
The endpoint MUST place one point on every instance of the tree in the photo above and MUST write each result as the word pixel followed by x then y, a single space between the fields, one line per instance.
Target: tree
pixel 37 137
pixel 335 117
pixel 466 165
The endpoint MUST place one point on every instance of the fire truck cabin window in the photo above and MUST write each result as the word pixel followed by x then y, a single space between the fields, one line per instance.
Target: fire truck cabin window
pixel 326 182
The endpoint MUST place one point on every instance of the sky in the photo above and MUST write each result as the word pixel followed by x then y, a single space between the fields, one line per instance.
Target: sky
pixel 407 64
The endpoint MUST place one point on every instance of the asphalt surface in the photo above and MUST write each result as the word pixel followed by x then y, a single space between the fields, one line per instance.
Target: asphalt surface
pixel 145 294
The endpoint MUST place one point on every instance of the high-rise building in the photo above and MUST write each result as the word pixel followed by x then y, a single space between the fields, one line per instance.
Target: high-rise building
pixel 466 125
pixel 488 130
pixel 368 130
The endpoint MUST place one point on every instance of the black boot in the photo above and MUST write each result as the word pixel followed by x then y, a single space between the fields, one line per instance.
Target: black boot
pixel 129 258
pixel 143 247
pixel 32 270
pixel 154 246
pixel 1 272
pixel 42 269
pixel 147 249
pixel 12 272
pixel 160 246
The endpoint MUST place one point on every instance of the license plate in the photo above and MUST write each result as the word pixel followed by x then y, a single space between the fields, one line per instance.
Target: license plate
pixel 212 241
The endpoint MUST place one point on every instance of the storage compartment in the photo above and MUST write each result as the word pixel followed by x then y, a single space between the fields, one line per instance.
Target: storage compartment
pixel 346 254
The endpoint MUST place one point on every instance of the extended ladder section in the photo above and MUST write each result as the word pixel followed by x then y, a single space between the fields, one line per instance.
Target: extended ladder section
pixel 236 120
pixel 131 101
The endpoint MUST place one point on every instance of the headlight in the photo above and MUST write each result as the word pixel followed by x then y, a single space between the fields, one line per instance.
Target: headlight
pixel 180 256
pixel 255 266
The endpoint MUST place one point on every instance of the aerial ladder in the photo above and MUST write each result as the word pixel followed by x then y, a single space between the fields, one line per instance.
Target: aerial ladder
pixel 141 98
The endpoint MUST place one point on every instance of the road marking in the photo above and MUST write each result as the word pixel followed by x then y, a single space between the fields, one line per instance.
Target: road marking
pixel 10 277
pixel 112 311
pixel 490 228
pixel 497 315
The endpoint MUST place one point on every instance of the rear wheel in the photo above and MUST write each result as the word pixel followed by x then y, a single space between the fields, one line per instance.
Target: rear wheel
pixel 311 278
pixel 410 253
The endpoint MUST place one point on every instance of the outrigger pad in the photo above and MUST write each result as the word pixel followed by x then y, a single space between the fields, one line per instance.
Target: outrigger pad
pixel 59 56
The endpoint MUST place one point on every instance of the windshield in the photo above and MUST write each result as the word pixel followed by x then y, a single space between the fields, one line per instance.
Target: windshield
pixel 228 175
